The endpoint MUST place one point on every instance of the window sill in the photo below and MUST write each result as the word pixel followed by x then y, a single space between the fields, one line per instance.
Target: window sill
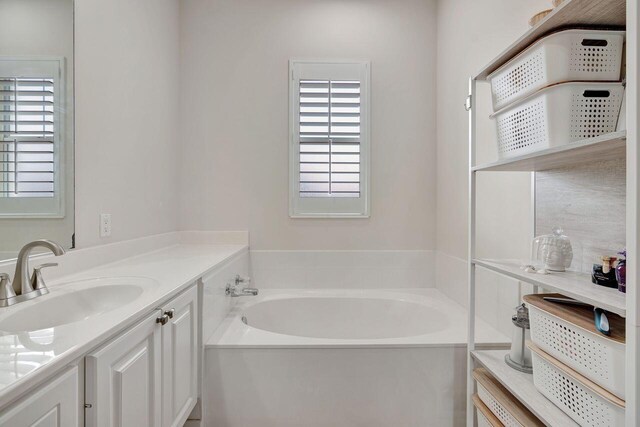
pixel 329 216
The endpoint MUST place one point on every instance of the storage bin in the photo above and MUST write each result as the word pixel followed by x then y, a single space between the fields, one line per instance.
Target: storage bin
pixel 484 415
pixel 556 116
pixel 570 55
pixel 567 333
pixel 502 403
pixel 582 400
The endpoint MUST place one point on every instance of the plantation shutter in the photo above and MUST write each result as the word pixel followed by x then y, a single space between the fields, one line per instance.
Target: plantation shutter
pixel 329 139
pixel 33 115
pixel 27 129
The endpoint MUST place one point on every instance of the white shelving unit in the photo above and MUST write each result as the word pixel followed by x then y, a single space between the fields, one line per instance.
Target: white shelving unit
pixel 572 284
pixel 521 386
pixel 616 145
pixel 610 146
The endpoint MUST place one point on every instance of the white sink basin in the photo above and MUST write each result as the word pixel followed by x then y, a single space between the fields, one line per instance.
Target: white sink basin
pixel 73 302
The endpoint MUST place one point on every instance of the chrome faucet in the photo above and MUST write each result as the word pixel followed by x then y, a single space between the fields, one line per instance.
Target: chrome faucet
pixel 24 287
pixel 232 290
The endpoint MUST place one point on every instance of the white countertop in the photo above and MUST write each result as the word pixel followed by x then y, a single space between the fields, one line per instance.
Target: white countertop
pixel 29 357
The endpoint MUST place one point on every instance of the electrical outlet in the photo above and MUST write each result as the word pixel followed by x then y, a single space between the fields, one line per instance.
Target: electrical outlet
pixel 105 225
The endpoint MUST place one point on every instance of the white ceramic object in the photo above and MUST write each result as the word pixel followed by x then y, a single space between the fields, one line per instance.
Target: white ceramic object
pixel 596 357
pixel 556 116
pixel 571 55
pixel 553 250
pixel 584 406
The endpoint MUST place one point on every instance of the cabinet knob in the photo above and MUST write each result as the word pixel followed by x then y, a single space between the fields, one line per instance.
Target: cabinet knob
pixel 170 313
pixel 163 320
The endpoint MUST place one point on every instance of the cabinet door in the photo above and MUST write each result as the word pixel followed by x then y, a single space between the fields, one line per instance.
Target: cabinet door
pixel 180 343
pixel 56 404
pixel 123 383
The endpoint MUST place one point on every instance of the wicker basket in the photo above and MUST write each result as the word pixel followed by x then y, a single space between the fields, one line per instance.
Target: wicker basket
pixel 571 55
pixel 504 406
pixel 567 333
pixel 485 416
pixel 581 399
pixel 558 115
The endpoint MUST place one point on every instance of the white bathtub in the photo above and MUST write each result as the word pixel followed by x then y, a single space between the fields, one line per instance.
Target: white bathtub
pixel 340 358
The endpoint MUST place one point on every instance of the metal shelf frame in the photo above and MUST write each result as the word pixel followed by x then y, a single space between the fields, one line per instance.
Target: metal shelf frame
pixel 626 145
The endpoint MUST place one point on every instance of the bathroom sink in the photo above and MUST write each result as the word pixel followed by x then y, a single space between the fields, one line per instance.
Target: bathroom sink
pixel 74 302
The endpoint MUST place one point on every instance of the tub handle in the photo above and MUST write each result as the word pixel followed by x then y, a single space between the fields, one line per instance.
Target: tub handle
pixel 240 279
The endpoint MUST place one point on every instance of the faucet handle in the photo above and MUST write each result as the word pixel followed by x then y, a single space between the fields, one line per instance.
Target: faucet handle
pixel 45 265
pixel 229 289
pixel 240 279
pixel 6 289
pixel 37 282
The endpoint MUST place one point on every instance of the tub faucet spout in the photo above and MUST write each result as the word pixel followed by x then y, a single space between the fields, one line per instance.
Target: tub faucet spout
pixel 232 289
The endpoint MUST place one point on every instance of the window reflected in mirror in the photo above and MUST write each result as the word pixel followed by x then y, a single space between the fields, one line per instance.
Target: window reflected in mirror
pixel 36 123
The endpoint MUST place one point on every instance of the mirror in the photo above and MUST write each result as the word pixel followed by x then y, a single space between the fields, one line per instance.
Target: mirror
pixel 36 123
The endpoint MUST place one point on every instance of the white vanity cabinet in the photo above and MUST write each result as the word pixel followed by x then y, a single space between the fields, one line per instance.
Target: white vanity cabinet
pixel 180 356
pixel 123 379
pixel 147 377
pixel 56 404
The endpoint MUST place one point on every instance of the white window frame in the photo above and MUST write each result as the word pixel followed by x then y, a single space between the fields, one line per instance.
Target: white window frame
pixel 53 207
pixel 329 207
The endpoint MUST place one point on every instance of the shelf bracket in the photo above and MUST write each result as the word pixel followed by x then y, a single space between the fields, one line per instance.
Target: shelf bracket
pixel 467 103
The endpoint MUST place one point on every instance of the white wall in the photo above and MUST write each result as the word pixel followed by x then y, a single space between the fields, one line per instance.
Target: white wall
pixel 127 140
pixel 235 123
pixel 589 203
pixel 470 34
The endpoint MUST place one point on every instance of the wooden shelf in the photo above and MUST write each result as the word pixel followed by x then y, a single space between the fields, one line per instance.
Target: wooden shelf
pixel 571 284
pixel 610 146
pixel 570 13
pixel 521 386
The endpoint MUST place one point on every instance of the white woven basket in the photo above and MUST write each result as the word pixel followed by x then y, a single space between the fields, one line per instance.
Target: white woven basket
pixel 584 406
pixel 600 359
pixel 483 421
pixel 498 410
pixel 558 115
pixel 571 55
